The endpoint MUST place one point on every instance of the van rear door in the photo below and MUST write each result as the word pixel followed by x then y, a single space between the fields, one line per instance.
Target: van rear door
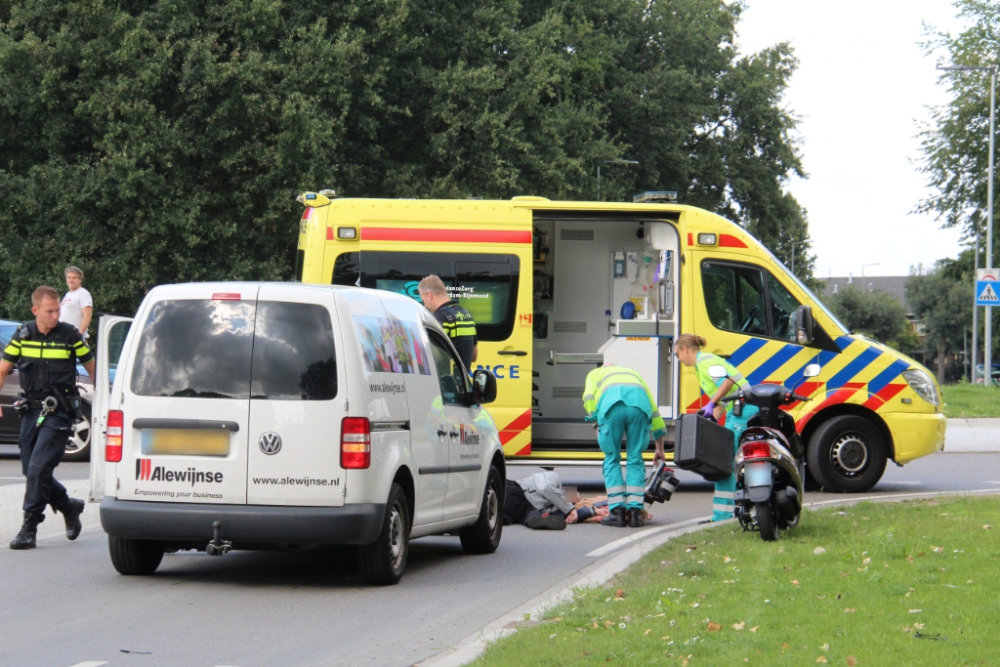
pixel 184 406
pixel 296 400
pixel 112 331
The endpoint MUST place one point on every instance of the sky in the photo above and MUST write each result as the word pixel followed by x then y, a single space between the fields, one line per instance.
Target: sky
pixel 862 86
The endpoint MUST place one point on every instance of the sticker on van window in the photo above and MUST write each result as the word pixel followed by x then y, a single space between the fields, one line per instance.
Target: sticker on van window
pixel 391 345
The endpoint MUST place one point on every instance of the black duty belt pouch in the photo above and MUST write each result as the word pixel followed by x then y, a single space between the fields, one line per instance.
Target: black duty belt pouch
pixel 704 447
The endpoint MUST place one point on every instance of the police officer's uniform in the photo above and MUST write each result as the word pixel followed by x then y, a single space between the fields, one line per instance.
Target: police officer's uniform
pixel 457 322
pixel 723 504
pixel 622 404
pixel 46 366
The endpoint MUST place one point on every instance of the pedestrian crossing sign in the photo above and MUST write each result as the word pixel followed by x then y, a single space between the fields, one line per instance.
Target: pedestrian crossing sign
pixel 987 287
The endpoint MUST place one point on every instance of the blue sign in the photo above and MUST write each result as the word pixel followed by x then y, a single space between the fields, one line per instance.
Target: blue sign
pixel 988 288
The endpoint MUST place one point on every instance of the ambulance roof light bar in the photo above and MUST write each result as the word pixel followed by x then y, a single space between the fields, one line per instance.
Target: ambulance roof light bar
pixel 314 200
pixel 656 196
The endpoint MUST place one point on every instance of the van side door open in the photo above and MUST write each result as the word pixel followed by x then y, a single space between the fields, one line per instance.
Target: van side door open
pixel 293 456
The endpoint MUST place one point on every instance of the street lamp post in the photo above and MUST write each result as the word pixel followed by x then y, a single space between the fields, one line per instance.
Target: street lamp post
pixel 614 160
pixel 795 243
pixel 863 267
pixel 988 334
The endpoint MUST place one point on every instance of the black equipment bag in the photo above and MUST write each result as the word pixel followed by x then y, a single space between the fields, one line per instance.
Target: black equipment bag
pixel 704 447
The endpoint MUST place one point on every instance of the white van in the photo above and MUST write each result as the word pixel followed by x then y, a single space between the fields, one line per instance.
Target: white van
pixel 268 416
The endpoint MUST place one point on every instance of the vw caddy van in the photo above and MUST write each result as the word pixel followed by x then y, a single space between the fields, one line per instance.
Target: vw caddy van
pixel 270 416
pixel 557 287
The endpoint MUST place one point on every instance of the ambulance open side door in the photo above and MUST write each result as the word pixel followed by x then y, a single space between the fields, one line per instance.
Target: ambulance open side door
pixel 112 333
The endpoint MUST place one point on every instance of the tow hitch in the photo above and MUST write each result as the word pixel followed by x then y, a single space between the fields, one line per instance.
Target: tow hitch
pixel 218 546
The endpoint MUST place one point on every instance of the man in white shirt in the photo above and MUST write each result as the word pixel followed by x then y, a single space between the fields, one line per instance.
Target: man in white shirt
pixel 77 305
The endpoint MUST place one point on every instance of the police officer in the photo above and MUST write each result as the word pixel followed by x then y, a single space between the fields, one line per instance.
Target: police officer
pixel 46 352
pixel 621 403
pixel 456 321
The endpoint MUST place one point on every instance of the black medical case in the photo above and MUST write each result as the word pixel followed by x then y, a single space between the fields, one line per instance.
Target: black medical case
pixel 704 447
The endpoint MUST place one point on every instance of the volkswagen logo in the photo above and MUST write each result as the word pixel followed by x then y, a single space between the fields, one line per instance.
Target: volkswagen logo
pixel 270 443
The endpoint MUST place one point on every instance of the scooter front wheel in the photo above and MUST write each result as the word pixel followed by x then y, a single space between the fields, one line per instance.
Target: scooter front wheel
pixel 767 522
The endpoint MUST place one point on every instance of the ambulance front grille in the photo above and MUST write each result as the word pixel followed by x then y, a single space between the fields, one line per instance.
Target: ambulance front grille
pixel 570 327
pixel 576 235
pixel 567 392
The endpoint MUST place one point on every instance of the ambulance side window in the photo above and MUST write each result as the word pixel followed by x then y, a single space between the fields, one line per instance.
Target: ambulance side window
pixel 735 298
pixel 347 269
pixel 784 307
pixel 454 382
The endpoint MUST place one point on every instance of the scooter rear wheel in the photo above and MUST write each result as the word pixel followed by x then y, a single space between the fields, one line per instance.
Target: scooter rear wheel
pixel 767 522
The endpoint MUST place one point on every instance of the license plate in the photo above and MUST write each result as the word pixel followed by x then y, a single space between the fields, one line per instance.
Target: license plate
pixel 757 474
pixel 185 442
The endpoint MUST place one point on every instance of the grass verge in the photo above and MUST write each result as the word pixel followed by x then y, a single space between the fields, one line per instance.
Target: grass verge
pixel 969 401
pixel 910 583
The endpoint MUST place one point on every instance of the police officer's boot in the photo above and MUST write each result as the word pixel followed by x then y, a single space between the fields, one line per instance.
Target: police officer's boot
pixel 71 509
pixel 26 538
pixel 616 518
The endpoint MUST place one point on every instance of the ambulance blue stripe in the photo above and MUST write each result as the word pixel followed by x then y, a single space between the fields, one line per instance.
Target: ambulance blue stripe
pixel 777 360
pixel 746 350
pixel 879 382
pixel 844 341
pixel 822 359
pixel 851 370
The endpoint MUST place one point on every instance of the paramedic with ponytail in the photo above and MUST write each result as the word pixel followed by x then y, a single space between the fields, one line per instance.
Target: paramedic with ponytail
pixel 687 349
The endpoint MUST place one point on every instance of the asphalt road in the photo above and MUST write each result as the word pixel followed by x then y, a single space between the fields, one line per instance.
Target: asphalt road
pixel 64 605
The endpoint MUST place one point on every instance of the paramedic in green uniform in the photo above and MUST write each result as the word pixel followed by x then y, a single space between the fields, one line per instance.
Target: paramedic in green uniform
pixel 621 403
pixel 687 348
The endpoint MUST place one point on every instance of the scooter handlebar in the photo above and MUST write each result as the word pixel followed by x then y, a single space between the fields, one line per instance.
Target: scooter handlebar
pixel 795 397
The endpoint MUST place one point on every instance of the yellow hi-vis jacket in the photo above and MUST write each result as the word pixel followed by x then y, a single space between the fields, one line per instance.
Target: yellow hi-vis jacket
pixel 609 385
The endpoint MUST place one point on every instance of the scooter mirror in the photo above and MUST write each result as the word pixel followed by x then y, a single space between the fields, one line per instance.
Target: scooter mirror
pixel 718 371
pixel 811 371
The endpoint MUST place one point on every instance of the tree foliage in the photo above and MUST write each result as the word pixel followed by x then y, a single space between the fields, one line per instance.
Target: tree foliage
pixel 159 141
pixel 955 144
pixel 942 300
pixel 877 314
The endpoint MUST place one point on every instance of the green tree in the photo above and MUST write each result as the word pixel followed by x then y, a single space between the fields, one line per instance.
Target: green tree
pixel 942 300
pixel 160 141
pixel 877 314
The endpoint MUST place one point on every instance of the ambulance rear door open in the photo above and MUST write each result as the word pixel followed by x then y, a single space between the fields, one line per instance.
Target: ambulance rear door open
pixel 605 290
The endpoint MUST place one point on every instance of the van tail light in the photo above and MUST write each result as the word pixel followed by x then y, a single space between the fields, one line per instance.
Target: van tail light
pixel 355 442
pixel 113 443
pixel 757 450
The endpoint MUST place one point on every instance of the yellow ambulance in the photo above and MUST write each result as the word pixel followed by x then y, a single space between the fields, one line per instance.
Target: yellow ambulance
pixel 557 287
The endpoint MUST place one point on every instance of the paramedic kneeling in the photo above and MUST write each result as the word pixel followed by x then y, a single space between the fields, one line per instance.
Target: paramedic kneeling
pixel 621 403
pixel 46 352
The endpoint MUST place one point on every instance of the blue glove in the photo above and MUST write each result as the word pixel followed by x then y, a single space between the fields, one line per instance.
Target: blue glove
pixel 708 410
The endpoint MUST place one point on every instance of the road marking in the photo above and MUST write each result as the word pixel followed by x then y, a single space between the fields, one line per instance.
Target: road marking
pixel 20 478
pixel 91 663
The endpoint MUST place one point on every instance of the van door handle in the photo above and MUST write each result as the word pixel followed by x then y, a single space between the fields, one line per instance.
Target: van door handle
pixel 454 434
pixel 441 434
pixel 513 353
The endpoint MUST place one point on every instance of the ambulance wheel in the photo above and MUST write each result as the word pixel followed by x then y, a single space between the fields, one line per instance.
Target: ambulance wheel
pixel 483 537
pixel 383 561
pixel 847 454
pixel 78 446
pixel 132 557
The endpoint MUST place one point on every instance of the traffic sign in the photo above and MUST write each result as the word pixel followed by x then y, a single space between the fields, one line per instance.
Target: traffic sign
pixel 987 287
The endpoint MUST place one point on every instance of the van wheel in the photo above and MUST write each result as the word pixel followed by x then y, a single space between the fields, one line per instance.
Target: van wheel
pixel 382 562
pixel 483 537
pixel 847 454
pixel 140 557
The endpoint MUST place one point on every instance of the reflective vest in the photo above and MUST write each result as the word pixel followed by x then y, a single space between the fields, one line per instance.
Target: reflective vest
pixel 45 362
pixel 710 385
pixel 609 385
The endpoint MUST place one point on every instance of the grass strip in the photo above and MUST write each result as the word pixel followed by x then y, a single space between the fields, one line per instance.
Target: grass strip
pixel 910 583
pixel 970 401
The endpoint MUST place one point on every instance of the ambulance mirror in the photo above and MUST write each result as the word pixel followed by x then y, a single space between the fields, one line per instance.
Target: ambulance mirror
pixel 811 371
pixel 717 372
pixel 804 325
pixel 484 387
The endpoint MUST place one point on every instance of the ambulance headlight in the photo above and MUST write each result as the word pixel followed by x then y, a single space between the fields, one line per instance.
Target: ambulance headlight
pixel 922 384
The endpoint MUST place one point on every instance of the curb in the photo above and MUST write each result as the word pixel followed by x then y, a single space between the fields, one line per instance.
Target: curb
pixel 612 564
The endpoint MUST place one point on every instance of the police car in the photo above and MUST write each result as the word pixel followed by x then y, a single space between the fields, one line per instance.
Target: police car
pixel 286 416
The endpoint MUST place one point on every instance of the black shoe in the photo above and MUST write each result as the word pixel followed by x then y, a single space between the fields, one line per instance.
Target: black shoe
pixel 616 518
pixel 71 509
pixel 636 519
pixel 546 522
pixel 29 529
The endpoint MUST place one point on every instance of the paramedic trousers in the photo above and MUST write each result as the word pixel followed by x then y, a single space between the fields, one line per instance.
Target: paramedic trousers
pixel 632 422
pixel 723 504
pixel 42 448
